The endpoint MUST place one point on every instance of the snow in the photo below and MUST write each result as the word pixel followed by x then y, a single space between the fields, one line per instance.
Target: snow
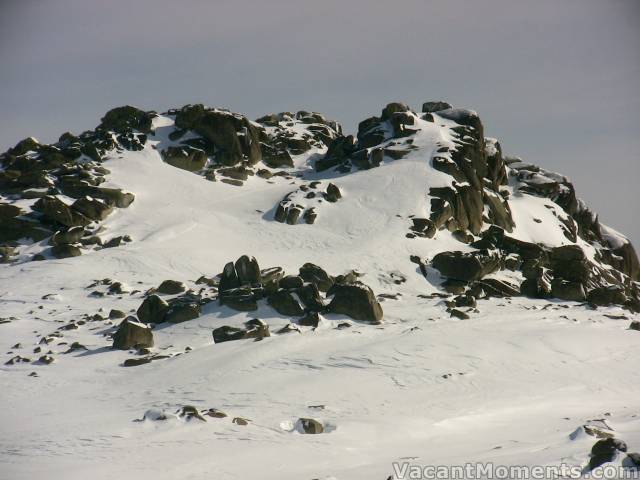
pixel 509 386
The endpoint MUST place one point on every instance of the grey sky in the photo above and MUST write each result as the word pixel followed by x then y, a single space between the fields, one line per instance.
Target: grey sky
pixel 555 81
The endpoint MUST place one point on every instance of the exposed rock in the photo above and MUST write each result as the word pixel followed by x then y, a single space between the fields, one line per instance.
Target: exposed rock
pixel 153 310
pixel 243 299
pixel 611 295
pixel 67 236
pixel 316 275
pixel 215 413
pixel 333 193
pixel 466 267
pixel 66 251
pixel 115 314
pixel 182 310
pixel 248 270
pixel 8 210
pixel 291 282
pixel 604 451
pixel 92 208
pixel 126 118
pixel 227 333
pixel 355 300
pixel 190 412
pixel 229 278
pixel 135 362
pixel 132 333
pixel 309 426
pixel 311 319
pixel 284 303
pixel 256 329
pixel 185 157
pixel 171 287
pixel 459 314
pixel 309 295
pixel 429 107
pixel 55 210
pixel 571 291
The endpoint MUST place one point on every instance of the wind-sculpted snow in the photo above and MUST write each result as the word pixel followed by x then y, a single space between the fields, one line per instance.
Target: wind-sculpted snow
pixel 290 301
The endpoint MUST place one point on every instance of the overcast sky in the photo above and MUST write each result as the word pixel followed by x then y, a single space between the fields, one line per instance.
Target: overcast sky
pixel 556 81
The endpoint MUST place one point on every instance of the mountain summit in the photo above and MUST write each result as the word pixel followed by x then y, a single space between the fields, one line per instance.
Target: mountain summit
pixel 394 293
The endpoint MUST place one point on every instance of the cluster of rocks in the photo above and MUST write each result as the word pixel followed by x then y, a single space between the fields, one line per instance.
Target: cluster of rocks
pixel 295 206
pixel 220 143
pixel 287 134
pixel 388 135
pixel 478 195
pixel 607 450
pixel 313 291
pixel 189 412
pixel 563 272
pixel 241 286
pixel 70 168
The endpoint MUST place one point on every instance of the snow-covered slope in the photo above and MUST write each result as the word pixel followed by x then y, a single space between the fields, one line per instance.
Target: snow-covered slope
pixel 514 384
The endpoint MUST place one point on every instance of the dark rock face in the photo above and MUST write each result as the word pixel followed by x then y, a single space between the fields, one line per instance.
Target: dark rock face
pixel 153 310
pixel 285 303
pixel 604 451
pixel 243 299
pixel 564 290
pixel 66 251
pixel 429 107
pixel 233 137
pixel 316 275
pixel 311 319
pixel 287 134
pixel 185 157
pixel 310 426
pixel 248 270
pixel 229 278
pixel 466 267
pixel 309 295
pixel 611 295
pixel 67 236
pixel 227 334
pixel 132 333
pixel 56 211
pixel 355 300
pixel 123 119
pixel 171 287
pixel 182 310
pixel 255 329
pixel 8 210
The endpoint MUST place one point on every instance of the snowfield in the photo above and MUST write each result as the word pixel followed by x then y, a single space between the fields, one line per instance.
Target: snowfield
pixel 513 385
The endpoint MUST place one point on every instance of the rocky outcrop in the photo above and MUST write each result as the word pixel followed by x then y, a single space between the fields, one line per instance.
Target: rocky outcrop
pixel 466 267
pixel 132 334
pixel 228 138
pixel 355 300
